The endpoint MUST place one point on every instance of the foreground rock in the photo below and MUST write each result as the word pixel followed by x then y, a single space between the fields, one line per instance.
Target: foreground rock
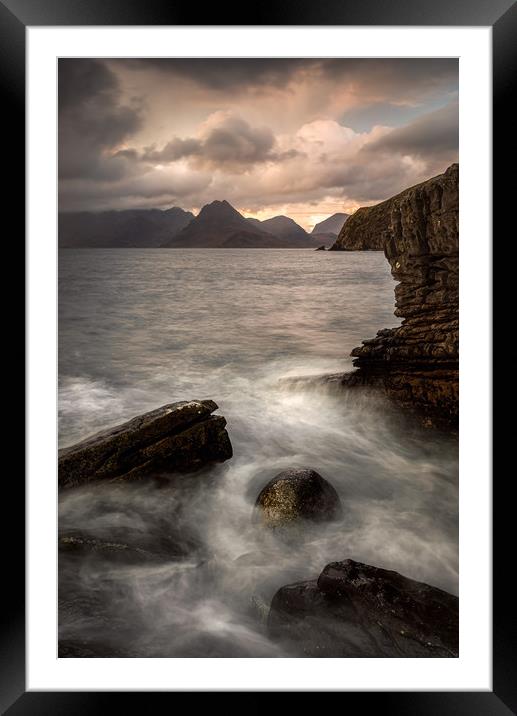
pixel 178 437
pixel 297 494
pixel 81 545
pixel 356 610
pixel 417 362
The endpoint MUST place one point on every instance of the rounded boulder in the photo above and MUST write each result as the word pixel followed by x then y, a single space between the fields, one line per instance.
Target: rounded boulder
pixel 297 494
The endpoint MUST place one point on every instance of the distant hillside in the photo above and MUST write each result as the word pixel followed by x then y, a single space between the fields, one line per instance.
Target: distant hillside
pixel 219 225
pixel 331 225
pixel 215 223
pixel 285 228
pixel 132 228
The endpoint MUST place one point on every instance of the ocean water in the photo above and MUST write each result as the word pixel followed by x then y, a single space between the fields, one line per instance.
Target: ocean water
pixel 140 328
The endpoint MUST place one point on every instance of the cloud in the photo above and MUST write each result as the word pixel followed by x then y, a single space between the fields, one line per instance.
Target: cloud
pixel 394 78
pixel 387 77
pixel 221 74
pixel 226 142
pixel 173 185
pixel 431 135
pixel 261 133
pixel 93 122
pixel 175 149
pixel 333 160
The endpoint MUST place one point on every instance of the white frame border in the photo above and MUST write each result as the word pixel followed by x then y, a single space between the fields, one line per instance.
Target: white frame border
pixel 472 670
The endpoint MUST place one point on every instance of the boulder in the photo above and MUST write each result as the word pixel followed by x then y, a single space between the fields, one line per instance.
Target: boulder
pixel 178 437
pixel 321 248
pixel 297 494
pixel 357 610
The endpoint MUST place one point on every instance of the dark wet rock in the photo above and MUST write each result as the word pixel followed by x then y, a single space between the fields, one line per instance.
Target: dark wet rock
pixel 131 519
pixel 306 382
pixel 178 437
pixel 77 649
pixel 356 610
pixel 80 544
pixel 321 248
pixel 417 362
pixel 297 494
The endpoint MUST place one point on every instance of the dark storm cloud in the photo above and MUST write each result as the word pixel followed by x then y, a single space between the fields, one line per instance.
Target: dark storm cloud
pixel 92 121
pixel 432 135
pixel 227 142
pixel 226 73
pixel 81 79
pixel 175 149
pixel 389 77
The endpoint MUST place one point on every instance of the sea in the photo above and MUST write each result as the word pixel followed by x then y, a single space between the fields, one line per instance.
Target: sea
pixel 254 330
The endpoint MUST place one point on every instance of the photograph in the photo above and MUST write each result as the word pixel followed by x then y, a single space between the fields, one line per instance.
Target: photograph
pixel 258 357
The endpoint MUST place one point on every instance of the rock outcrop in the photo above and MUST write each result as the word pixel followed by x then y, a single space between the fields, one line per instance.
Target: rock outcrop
pixel 178 437
pixel 365 230
pixel 297 494
pixel 417 362
pixel 356 610
pixel 77 544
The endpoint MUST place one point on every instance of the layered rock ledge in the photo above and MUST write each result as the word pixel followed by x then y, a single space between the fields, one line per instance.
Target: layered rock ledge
pixel 177 437
pixel 417 362
pixel 357 610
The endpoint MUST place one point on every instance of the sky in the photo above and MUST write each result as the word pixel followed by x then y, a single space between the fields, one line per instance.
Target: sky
pixel 302 137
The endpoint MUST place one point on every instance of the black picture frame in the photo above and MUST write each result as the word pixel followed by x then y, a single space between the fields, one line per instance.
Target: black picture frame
pixel 501 15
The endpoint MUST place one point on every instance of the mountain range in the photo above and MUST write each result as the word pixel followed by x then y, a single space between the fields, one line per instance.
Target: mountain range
pixel 132 228
pixel 218 225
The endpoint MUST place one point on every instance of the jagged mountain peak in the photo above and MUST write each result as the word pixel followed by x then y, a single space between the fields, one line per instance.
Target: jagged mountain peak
pixel 219 208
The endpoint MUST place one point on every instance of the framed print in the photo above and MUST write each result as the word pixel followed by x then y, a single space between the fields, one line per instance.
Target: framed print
pixel 258 362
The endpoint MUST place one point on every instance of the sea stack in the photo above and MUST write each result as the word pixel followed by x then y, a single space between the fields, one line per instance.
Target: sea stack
pixel 417 362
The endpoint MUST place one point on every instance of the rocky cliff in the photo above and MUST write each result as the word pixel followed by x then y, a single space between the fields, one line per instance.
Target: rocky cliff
pixel 417 362
pixel 364 230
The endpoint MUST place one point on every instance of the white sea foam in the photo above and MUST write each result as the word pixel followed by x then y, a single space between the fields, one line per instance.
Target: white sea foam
pixel 229 326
